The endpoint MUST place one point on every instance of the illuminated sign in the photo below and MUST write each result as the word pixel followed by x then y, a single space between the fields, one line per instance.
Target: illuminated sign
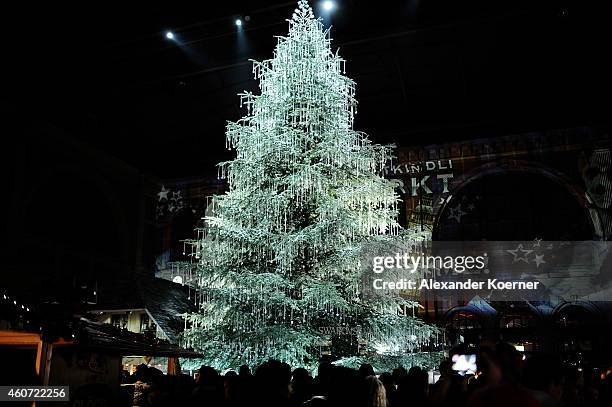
pixel 427 177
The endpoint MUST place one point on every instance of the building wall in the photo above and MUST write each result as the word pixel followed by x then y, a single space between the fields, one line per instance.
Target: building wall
pixel 553 185
pixel 180 206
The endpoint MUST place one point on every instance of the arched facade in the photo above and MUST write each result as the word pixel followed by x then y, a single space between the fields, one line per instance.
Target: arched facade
pixel 552 185
pixel 539 174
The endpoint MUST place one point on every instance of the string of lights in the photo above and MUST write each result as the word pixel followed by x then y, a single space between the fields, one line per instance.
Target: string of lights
pixel 7 299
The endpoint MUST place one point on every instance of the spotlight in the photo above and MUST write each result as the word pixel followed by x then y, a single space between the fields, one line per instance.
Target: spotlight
pixel 238 22
pixel 170 35
pixel 328 5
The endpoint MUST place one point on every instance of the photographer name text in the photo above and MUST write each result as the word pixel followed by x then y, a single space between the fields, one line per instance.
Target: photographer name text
pixel 469 284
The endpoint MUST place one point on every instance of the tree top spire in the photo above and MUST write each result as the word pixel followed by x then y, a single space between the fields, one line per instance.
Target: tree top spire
pixel 303 12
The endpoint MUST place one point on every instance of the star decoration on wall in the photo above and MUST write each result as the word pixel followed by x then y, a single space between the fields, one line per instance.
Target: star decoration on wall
pixel 163 194
pixel 456 213
pixel 536 242
pixel 519 254
pixel 170 202
pixel 176 195
pixel 539 259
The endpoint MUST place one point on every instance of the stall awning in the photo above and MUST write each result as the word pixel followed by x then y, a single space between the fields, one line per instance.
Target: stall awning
pixel 107 338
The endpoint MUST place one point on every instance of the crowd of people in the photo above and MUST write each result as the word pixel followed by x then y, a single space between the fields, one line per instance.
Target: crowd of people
pixel 503 378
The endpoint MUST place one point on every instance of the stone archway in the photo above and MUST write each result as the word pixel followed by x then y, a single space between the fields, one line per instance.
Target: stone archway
pixel 491 197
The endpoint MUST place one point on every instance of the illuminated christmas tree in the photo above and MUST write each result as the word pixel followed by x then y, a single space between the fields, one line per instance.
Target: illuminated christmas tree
pixel 277 271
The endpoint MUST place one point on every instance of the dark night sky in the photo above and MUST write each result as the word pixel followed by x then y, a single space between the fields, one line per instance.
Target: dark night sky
pixel 426 71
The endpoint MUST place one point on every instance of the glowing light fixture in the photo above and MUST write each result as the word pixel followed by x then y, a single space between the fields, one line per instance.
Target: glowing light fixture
pixel 328 5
